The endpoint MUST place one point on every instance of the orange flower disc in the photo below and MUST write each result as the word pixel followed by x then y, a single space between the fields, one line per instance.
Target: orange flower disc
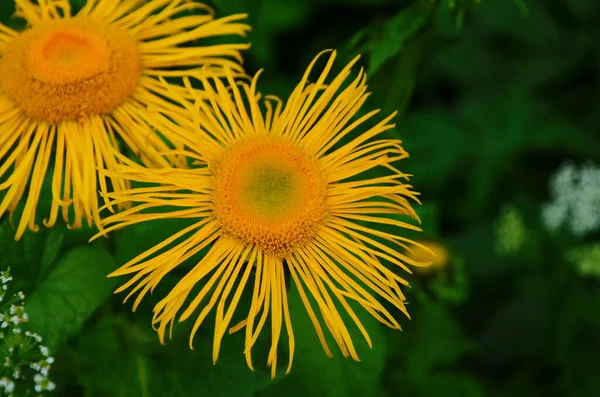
pixel 268 193
pixel 69 69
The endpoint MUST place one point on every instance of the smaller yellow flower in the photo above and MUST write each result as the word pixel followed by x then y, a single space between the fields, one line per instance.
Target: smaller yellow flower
pixel 432 252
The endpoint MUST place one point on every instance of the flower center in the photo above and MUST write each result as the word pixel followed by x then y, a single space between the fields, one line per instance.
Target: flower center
pixel 69 69
pixel 268 193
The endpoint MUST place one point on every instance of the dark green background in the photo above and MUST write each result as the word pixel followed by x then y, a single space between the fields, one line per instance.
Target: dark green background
pixel 493 98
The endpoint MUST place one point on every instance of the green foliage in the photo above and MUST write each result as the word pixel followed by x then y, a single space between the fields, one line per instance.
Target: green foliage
pixel 125 359
pixel 429 348
pixel 511 232
pixel 384 41
pixel 73 290
pixel 336 376
pixel 492 97
pixel 586 259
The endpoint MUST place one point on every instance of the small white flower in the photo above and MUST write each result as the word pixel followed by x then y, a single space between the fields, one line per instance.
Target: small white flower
pixel 554 215
pixel 575 199
pixel 9 386
pixel 17 330
pixel 21 295
pixel 44 351
pixel 4 324
pixel 50 360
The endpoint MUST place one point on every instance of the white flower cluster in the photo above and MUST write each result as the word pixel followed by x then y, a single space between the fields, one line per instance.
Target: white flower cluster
pixel 575 199
pixel 23 357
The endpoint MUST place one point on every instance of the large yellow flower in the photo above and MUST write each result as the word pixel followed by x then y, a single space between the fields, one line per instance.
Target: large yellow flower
pixel 75 85
pixel 283 192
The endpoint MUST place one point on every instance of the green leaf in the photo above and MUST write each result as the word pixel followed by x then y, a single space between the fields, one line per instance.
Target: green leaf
pixel 490 131
pixel 521 125
pixel 9 250
pixel 74 289
pixel 229 376
pixel 337 376
pixel 120 358
pixel 23 256
pixel 436 144
pixel 386 40
pixel 33 245
pixel 135 239
pixel 403 82
pixel 52 247
pixel 110 361
pixel 432 339
pixel 512 49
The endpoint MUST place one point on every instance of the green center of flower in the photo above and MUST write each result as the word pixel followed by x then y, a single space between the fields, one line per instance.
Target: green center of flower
pixel 271 190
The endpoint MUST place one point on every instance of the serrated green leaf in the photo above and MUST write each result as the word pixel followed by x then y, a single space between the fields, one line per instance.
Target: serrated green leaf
pixel 74 289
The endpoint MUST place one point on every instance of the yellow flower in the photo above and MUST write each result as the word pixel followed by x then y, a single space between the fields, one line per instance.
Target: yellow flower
pixel 276 193
pixel 76 85
pixel 431 251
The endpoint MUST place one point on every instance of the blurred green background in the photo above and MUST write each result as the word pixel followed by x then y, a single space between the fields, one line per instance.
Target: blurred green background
pixel 494 98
